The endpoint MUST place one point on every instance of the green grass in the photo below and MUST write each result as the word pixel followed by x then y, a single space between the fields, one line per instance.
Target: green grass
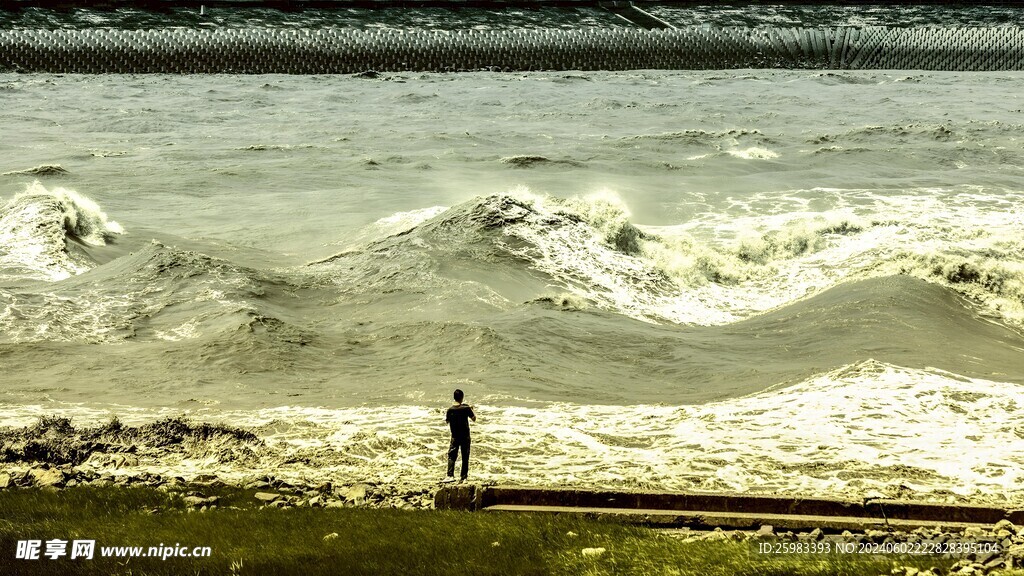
pixel 247 540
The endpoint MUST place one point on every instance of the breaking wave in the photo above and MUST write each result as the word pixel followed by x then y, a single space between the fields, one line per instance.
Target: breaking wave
pixel 39 229
pixel 589 247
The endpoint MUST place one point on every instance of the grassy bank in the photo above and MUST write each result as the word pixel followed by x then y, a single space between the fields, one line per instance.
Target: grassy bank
pixel 245 539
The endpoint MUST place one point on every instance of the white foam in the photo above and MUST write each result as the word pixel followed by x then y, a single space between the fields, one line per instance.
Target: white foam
pixel 865 428
pixel 82 216
pixel 753 153
pixel 770 249
pixel 33 234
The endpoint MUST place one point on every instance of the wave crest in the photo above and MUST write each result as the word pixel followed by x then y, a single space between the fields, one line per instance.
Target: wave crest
pixel 38 230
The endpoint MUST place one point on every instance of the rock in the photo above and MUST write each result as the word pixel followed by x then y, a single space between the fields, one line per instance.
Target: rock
pixel 6 481
pixel 258 485
pixel 593 552
pixel 571 534
pixel 325 488
pixel 334 504
pixel 983 557
pixel 267 496
pixel 1004 525
pixel 815 534
pixel 331 536
pixel 766 530
pixel 52 477
pixel 495 544
pixel 197 501
pixel 204 478
pixel 875 535
pixel 1016 552
pixel 315 500
pixel 973 533
pixel 356 494
pixel 996 563
pixel 124 460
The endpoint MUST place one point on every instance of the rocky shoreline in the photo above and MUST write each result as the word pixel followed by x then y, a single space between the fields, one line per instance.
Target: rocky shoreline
pixel 53 455
pixel 269 491
pixel 1002 545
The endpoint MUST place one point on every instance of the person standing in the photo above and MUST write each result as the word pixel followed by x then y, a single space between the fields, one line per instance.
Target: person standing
pixel 458 417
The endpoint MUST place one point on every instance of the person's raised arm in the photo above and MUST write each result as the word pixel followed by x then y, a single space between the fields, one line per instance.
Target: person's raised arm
pixel 472 414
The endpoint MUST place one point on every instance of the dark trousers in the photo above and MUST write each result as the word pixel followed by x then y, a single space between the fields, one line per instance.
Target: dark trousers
pixel 453 452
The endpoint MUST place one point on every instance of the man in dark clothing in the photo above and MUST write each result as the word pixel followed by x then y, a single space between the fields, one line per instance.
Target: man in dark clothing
pixel 458 418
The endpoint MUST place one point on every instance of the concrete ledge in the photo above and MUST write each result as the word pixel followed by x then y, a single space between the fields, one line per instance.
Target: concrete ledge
pixel 733 521
pixel 458 497
pixel 711 502
pixel 723 509
pixel 935 512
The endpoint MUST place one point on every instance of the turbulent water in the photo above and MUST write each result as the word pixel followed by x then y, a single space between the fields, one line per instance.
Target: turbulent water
pixel 743 280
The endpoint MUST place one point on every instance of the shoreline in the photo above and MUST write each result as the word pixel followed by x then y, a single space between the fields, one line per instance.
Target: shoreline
pixel 974 551
pixel 409 460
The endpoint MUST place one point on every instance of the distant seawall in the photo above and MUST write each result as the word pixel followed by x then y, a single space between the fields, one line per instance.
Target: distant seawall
pixel 346 51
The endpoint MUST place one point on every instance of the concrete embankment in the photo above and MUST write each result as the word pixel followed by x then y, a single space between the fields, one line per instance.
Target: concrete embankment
pixel 732 511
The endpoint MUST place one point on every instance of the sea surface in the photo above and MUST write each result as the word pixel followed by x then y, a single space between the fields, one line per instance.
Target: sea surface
pixel 750 280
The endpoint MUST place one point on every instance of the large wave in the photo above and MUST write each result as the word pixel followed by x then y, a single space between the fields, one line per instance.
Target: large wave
pixel 40 227
pixel 714 270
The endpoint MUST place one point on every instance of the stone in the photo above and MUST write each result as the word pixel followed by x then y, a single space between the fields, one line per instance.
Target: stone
pixel 123 460
pixel 316 501
pixel 983 557
pixel 331 536
pixel 996 563
pixel 1004 525
pixel 874 535
pixel 766 530
pixel 325 488
pixel 258 485
pixel 815 534
pixel 973 533
pixel 356 494
pixel 197 501
pixel 267 496
pixel 204 478
pixel 6 481
pixel 593 552
pixel 334 504
pixel 52 477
